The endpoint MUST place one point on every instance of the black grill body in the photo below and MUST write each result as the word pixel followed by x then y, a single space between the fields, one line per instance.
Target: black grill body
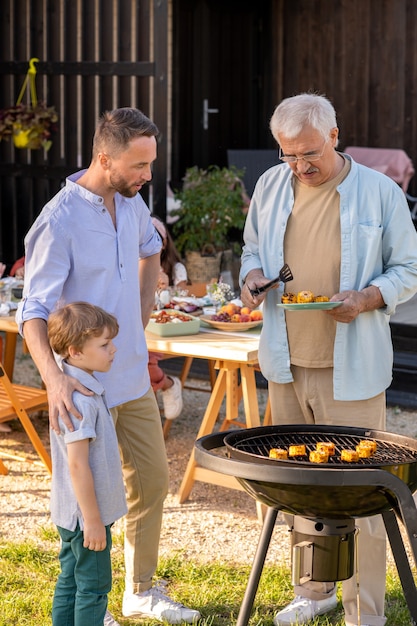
pixel 332 497
pixel 383 484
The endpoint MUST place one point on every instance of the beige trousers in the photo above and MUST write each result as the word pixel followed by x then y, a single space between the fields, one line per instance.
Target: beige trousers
pixel 145 472
pixel 309 400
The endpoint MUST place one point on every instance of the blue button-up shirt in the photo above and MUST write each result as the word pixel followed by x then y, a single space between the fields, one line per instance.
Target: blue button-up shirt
pixel 378 247
pixel 74 252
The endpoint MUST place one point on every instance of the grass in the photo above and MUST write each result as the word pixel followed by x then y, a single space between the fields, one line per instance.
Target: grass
pixel 28 573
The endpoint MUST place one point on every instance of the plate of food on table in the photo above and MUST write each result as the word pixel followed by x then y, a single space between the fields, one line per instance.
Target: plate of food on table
pixel 171 322
pixel 232 317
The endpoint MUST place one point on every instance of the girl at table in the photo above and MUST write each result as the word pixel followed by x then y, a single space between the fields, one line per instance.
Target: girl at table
pixel 172 274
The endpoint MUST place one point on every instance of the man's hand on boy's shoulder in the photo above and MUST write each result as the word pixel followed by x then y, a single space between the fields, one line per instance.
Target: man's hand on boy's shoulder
pixel 60 390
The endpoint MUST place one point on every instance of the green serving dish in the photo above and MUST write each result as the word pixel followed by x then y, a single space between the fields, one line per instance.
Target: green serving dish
pixel 174 329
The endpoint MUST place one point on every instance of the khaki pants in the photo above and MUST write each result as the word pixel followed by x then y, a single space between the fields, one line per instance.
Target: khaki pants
pixel 145 472
pixel 309 400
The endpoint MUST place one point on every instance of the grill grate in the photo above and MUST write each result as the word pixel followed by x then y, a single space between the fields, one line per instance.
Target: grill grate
pixel 386 453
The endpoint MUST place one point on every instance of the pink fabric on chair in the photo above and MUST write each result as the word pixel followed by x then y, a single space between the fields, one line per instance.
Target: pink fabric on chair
pixel 395 163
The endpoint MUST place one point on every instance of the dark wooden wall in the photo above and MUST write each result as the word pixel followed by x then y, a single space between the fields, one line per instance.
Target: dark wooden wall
pixel 94 56
pixel 363 55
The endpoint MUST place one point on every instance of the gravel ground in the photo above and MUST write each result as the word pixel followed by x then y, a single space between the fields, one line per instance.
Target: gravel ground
pixel 214 524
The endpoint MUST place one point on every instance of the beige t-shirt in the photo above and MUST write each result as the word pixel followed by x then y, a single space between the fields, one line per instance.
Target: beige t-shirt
pixel 312 250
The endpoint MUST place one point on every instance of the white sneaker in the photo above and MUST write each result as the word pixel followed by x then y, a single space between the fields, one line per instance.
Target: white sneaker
pixel 302 610
pixel 154 603
pixel 5 428
pixel 172 399
pixel 109 620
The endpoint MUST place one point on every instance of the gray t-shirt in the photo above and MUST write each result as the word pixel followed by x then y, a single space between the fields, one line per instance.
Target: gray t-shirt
pixel 104 459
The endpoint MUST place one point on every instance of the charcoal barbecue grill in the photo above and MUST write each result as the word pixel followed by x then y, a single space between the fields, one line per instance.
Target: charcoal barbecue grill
pixel 330 492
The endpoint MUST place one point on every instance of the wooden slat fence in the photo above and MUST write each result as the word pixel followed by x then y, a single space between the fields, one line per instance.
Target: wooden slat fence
pixel 94 55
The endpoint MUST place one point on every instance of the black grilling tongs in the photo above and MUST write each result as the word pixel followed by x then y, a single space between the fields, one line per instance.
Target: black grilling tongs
pixel 284 276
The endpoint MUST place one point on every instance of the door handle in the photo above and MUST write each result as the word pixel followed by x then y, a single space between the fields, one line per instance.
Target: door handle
pixel 206 112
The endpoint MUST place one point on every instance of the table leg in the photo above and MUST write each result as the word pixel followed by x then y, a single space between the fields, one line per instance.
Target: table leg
pixel 207 425
pixel 9 354
pixel 233 397
pixel 250 396
pixel 226 385
pixel 246 390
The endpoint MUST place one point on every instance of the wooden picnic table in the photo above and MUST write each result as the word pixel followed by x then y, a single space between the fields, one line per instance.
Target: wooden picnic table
pixel 235 356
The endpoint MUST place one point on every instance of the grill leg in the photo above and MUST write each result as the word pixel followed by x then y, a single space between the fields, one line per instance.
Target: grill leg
pixel 257 566
pixel 402 562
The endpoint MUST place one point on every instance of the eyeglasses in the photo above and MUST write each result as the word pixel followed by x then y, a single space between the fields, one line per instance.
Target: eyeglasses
pixel 310 157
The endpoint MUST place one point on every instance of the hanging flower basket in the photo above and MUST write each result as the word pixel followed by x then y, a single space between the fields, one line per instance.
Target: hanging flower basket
pixel 29 125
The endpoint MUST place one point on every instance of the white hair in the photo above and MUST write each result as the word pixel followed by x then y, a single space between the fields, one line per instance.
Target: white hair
pixel 293 114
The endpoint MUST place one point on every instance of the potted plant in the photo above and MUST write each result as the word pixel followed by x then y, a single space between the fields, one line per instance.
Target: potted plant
pixel 29 126
pixel 213 203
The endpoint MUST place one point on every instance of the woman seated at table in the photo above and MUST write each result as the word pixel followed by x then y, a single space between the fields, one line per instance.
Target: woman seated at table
pixel 172 273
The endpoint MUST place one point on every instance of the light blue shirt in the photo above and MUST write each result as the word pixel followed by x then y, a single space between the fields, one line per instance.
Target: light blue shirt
pixel 73 252
pixel 104 459
pixel 378 247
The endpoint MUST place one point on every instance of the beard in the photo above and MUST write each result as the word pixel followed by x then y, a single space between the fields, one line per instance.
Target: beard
pixel 120 185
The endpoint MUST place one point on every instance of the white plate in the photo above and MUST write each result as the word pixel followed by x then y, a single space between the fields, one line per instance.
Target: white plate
pixel 303 306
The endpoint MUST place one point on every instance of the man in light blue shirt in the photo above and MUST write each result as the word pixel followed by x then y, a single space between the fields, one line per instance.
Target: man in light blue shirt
pixel 346 233
pixel 89 243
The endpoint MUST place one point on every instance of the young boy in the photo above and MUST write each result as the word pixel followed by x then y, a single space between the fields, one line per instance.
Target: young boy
pixel 87 494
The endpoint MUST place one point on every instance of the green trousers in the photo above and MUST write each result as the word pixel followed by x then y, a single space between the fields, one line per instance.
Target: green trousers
pixel 81 590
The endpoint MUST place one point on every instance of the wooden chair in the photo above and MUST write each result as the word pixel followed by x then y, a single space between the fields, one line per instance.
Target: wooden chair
pixel 16 401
